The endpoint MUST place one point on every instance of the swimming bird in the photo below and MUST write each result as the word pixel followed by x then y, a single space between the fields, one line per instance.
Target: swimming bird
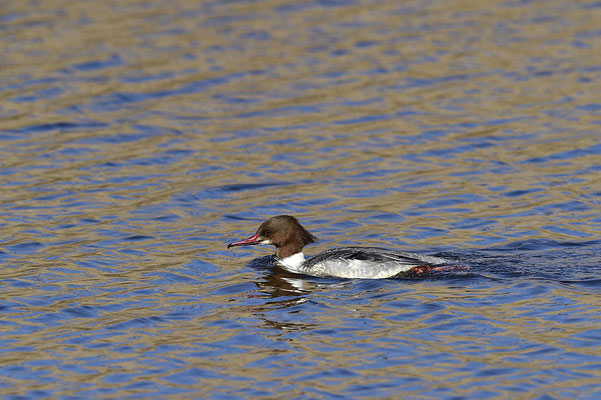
pixel 289 238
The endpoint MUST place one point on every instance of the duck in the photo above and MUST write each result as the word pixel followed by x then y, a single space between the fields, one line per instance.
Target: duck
pixel 289 238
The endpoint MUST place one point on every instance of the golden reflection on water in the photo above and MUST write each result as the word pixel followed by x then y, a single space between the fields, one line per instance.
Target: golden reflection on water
pixel 126 126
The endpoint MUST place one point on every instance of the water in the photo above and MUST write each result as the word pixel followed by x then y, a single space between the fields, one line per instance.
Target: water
pixel 137 139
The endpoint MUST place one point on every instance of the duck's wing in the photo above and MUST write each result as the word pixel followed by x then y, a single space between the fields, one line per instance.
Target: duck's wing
pixel 365 262
pixel 375 255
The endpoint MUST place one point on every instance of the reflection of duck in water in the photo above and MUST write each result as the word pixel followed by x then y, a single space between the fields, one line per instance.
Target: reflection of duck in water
pixel 289 238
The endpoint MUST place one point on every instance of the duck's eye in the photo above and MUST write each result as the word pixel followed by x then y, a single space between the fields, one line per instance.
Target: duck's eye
pixel 266 232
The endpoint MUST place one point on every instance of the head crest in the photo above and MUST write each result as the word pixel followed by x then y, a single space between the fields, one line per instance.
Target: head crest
pixel 305 236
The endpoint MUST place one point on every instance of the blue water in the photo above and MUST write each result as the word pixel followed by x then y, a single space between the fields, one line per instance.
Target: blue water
pixel 138 139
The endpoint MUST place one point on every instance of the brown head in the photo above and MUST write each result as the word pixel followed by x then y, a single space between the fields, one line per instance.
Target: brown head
pixel 284 232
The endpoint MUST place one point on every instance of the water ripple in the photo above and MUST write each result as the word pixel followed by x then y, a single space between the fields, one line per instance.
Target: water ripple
pixel 139 139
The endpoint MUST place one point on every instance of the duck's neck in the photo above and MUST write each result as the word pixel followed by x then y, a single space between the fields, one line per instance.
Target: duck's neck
pixel 289 248
pixel 290 254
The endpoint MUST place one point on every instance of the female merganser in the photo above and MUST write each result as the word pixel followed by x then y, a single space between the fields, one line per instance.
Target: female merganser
pixel 289 238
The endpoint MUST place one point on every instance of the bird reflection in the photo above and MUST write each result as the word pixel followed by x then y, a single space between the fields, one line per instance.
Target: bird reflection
pixel 278 282
pixel 283 292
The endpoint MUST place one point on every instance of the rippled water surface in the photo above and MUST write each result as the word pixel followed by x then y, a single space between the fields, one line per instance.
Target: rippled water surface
pixel 137 139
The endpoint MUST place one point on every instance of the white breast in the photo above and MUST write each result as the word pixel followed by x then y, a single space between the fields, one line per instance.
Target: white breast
pixel 293 263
